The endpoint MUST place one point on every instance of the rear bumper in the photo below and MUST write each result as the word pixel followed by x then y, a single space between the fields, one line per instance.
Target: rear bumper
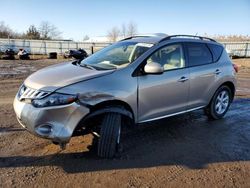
pixel 56 123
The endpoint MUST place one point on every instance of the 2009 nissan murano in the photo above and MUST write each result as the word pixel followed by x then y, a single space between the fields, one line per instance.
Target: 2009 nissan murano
pixel 138 79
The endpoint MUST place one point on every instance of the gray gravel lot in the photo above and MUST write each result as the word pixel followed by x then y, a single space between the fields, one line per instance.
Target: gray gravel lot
pixel 182 151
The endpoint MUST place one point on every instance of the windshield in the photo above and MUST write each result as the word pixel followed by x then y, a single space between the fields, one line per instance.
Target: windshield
pixel 118 55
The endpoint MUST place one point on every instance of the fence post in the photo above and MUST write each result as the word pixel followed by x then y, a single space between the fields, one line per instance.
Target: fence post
pixel 247 44
pixel 92 48
pixel 45 50
pixel 61 48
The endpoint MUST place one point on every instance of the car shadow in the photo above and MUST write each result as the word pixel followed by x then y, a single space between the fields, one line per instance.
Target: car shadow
pixel 189 140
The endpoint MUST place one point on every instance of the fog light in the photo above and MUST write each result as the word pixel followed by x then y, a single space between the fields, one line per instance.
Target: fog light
pixel 44 130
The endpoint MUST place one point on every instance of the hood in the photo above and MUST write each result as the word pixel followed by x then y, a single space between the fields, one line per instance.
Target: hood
pixel 60 75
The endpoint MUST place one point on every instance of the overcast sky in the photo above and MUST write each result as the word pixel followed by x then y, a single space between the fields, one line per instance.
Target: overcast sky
pixel 77 18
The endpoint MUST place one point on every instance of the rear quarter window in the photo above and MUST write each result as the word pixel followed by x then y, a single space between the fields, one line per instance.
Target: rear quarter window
pixel 216 51
pixel 198 54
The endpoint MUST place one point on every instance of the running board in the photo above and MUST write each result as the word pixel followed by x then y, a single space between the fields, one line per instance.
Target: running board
pixel 169 115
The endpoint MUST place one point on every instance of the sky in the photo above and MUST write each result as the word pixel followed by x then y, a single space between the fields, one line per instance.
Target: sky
pixel 77 18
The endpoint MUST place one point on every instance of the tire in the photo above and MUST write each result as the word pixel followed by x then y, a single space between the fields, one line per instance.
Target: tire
pixel 109 135
pixel 219 104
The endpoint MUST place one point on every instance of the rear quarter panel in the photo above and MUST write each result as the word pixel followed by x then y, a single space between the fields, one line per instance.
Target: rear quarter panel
pixel 204 82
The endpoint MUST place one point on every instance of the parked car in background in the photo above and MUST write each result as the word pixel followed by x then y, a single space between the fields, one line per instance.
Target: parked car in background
pixel 136 80
pixel 76 54
pixel 1 53
pixel 9 54
pixel 23 54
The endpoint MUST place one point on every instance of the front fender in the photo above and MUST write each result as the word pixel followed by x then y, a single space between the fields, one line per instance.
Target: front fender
pixel 92 98
pixel 112 104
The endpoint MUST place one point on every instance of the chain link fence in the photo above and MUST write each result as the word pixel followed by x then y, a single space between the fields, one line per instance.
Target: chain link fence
pixel 238 49
pixel 48 46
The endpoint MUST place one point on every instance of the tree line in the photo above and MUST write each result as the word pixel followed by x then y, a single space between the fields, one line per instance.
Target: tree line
pixel 126 30
pixel 48 31
pixel 45 31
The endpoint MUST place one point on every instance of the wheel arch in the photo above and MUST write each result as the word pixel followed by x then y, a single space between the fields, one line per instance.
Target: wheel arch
pixel 112 103
pixel 231 87
pixel 99 109
pixel 228 84
pixel 209 109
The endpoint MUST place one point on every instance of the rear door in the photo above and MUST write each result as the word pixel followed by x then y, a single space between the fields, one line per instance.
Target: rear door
pixel 166 93
pixel 203 73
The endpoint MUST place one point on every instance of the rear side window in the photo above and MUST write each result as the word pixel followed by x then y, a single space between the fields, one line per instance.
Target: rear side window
pixel 216 51
pixel 198 54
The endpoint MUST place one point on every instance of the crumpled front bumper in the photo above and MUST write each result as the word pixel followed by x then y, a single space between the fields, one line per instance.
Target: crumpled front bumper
pixel 56 123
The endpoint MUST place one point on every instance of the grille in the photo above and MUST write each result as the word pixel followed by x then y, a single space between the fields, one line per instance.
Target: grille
pixel 29 93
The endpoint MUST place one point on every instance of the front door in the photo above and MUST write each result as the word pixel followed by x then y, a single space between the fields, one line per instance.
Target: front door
pixel 164 94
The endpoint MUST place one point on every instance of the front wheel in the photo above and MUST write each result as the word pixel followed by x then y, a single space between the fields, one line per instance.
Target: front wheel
pixel 109 135
pixel 220 103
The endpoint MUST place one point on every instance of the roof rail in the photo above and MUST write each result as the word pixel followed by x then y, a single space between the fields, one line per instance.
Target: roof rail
pixel 127 38
pixel 146 35
pixel 187 36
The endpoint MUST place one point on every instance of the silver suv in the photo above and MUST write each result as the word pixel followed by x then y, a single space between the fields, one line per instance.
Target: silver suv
pixel 138 79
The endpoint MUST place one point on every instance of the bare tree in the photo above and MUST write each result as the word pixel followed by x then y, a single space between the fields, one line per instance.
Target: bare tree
pixel 113 34
pixel 131 29
pixel 5 30
pixel 49 31
pixel 124 30
pixel 32 33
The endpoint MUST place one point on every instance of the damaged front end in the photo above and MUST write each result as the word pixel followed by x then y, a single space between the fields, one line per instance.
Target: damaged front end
pixel 100 104
pixel 49 115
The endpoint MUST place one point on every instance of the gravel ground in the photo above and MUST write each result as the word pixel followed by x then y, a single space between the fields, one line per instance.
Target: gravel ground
pixel 183 151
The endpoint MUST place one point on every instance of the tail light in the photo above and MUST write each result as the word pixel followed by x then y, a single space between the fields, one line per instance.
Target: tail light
pixel 236 67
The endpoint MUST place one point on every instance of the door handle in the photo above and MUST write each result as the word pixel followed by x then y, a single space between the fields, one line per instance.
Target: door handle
pixel 183 79
pixel 217 72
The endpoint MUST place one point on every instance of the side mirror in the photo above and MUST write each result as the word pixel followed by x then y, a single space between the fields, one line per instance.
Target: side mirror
pixel 153 68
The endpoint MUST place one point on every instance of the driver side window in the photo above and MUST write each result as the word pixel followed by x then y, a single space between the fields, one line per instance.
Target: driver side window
pixel 169 57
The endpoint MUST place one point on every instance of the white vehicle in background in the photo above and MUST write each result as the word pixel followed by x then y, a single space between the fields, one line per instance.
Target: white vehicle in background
pixel 229 52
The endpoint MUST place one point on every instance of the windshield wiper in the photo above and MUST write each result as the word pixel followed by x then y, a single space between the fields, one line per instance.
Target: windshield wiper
pixel 87 66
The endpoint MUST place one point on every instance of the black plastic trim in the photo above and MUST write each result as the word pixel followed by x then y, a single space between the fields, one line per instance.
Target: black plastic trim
pixel 191 36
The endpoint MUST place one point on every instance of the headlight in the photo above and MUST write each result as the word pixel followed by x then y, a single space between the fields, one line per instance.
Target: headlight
pixel 54 100
pixel 21 91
